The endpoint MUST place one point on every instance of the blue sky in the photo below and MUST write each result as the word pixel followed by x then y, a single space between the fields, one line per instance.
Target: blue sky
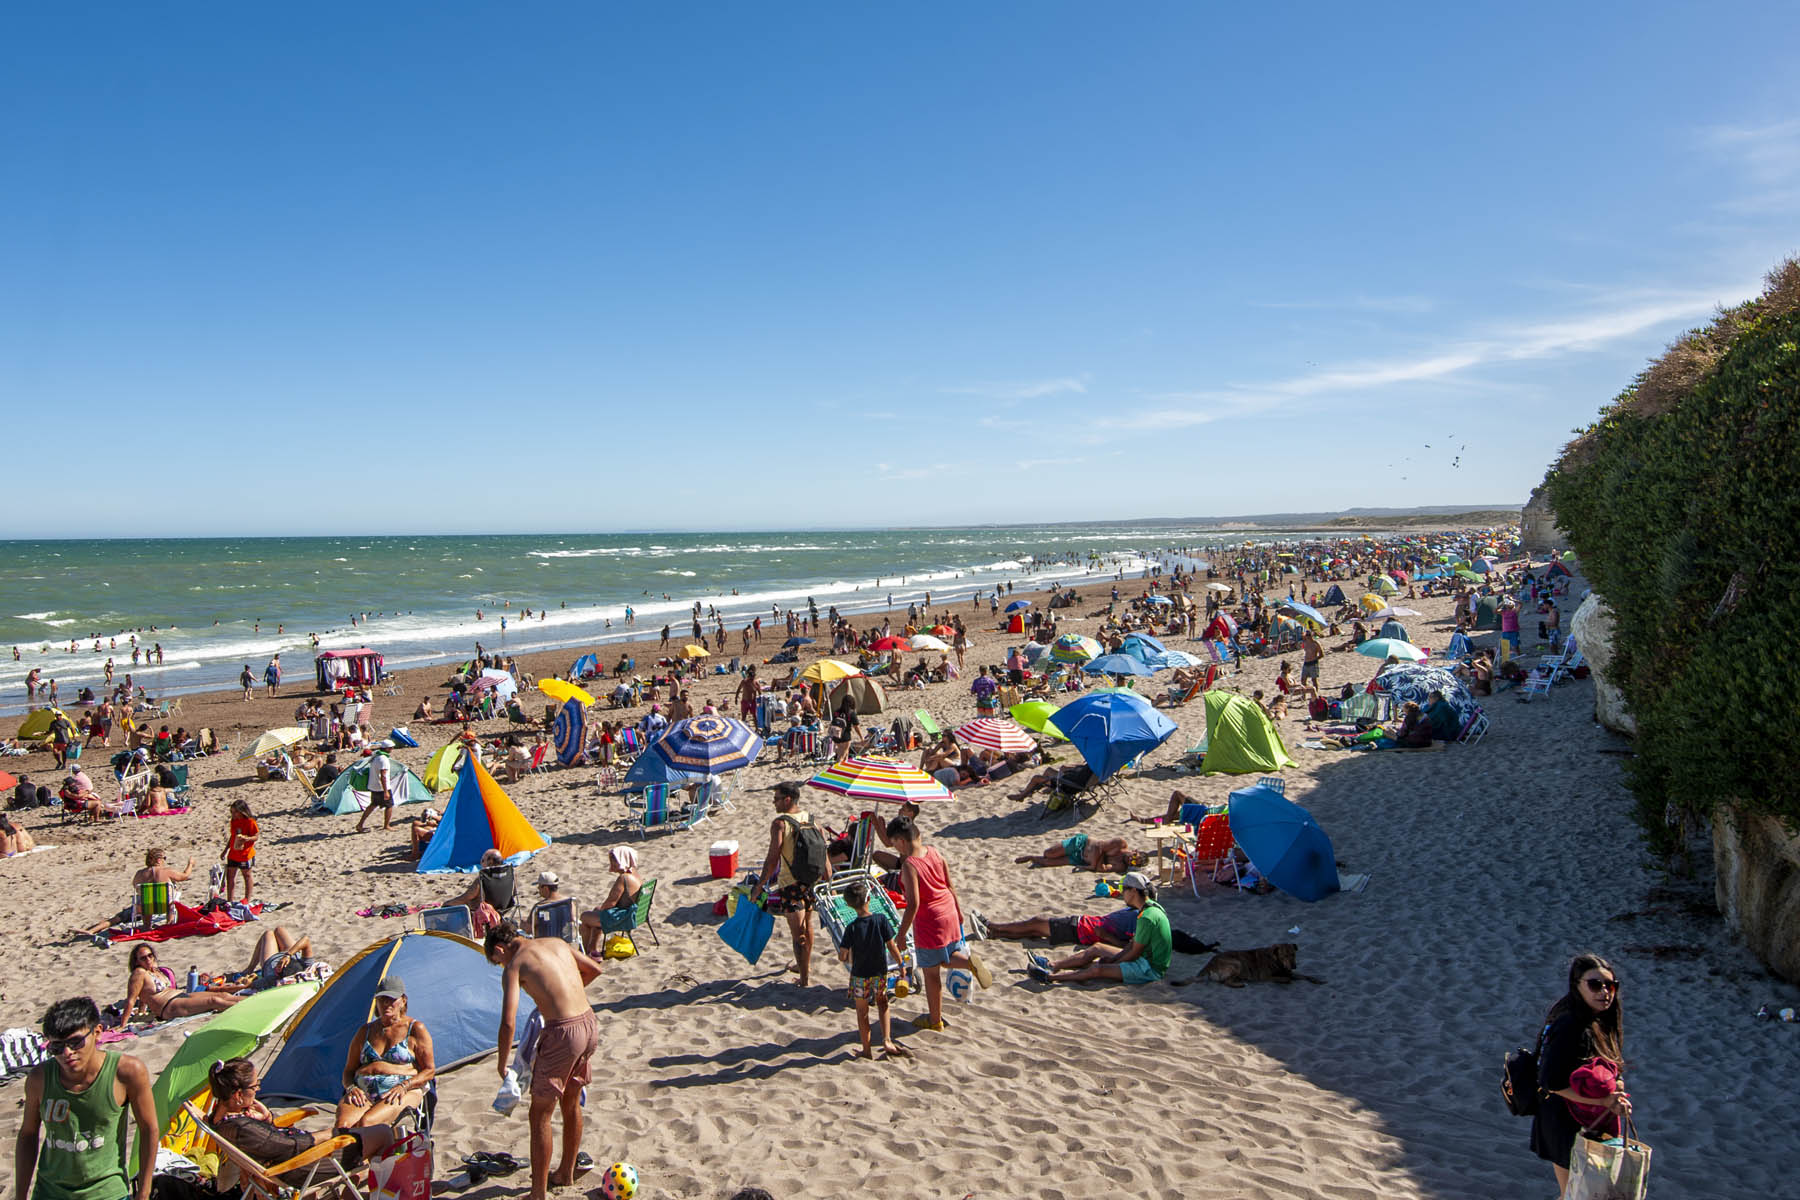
pixel 299 270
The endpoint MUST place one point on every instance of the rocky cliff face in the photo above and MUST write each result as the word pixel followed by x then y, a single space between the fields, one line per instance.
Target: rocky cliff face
pixel 1537 525
pixel 1591 627
pixel 1758 885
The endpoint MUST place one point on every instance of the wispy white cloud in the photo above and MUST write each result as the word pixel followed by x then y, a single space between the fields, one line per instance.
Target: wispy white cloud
pixel 1767 157
pixel 1548 339
pixel 1031 389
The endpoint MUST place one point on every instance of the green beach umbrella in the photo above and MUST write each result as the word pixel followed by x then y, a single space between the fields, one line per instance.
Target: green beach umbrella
pixel 1035 716
pixel 233 1033
pixel 1391 648
pixel 1468 576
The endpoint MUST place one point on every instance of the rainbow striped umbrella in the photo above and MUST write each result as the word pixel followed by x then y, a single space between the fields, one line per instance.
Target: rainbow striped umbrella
pixel 995 733
pixel 1075 648
pixel 883 780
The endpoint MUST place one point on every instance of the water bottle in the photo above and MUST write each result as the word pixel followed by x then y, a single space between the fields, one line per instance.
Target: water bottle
pixel 193 979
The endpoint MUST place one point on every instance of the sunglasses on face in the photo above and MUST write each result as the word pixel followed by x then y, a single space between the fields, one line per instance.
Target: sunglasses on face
pixel 56 1046
pixel 1601 985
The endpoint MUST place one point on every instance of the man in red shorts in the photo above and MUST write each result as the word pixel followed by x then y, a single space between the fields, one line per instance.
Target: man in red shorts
pixel 554 974
pixel 1114 929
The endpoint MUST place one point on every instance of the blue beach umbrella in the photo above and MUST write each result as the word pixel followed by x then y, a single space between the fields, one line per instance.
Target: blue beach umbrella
pixel 570 731
pixel 1111 728
pixel 796 641
pixel 1306 614
pixel 1016 605
pixel 650 768
pixel 1157 600
pixel 708 744
pixel 1283 843
pixel 1119 664
pixel 1143 646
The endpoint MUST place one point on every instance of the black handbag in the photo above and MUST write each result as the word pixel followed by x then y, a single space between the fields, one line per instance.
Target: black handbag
pixel 1519 1079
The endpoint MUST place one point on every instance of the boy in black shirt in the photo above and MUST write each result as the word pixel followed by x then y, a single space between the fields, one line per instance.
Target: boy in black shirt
pixel 868 941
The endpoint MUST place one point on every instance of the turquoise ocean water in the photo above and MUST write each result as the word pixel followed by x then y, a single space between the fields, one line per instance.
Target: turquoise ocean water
pixel 216 604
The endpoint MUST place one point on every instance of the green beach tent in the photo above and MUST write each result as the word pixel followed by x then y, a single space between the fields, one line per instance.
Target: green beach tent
pixel 36 727
pixel 1487 612
pixel 1240 740
pixel 349 792
pixel 440 771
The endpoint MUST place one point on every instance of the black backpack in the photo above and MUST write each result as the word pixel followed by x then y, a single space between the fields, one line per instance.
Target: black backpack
pixel 1519 1078
pixel 807 864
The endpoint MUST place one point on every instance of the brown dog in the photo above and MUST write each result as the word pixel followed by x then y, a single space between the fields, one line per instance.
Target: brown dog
pixel 1265 964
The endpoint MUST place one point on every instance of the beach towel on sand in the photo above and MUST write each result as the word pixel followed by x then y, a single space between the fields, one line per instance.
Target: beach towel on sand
pixel 189 922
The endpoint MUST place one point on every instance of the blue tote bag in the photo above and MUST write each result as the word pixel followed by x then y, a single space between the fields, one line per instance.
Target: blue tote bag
pixel 747 930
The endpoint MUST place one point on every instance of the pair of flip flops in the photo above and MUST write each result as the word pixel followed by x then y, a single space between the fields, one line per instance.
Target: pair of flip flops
pixel 484 1164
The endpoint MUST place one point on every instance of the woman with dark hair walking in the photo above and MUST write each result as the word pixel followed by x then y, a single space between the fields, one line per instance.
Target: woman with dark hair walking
pixel 1581 1065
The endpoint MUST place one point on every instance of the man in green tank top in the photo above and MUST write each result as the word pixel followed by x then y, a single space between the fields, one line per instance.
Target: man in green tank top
pixel 79 1100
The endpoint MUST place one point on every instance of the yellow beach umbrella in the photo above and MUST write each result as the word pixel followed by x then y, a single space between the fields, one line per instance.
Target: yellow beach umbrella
pixel 562 691
pixel 1371 603
pixel 270 742
pixel 692 651
pixel 828 670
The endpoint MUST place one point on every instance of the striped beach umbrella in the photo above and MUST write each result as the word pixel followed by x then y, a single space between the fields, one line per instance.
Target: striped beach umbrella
pixel 995 733
pixel 708 744
pixel 1075 648
pixel 882 780
pixel 570 730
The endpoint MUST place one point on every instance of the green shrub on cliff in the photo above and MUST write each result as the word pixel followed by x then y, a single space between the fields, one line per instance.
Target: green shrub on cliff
pixel 1683 502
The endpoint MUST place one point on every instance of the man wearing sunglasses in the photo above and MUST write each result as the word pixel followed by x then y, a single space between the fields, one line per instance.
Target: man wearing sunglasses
pixel 79 1099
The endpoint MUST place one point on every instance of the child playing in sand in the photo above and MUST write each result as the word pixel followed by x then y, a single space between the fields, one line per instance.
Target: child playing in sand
pixel 868 941
pixel 240 849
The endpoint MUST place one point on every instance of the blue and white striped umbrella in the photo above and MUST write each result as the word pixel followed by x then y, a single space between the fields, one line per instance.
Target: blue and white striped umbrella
pixel 708 744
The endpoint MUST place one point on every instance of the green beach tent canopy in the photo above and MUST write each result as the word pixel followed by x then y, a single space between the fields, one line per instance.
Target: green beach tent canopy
pixel 349 792
pixel 233 1033
pixel 36 727
pixel 1487 612
pixel 440 771
pixel 1240 740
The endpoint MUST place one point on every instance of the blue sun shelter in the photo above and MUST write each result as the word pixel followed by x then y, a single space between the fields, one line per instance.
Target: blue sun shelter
pixel 450 986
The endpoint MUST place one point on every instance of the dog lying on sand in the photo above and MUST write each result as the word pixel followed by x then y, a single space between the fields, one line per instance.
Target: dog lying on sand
pixel 1265 964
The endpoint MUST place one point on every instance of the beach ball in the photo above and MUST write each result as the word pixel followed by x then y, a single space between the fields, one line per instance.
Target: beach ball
pixel 959 984
pixel 620 1182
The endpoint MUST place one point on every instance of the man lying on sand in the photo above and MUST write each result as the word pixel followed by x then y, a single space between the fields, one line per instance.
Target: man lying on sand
pixel 1079 851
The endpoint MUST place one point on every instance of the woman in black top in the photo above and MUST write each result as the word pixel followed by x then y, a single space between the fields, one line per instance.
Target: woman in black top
pixel 243 1120
pixel 1587 1023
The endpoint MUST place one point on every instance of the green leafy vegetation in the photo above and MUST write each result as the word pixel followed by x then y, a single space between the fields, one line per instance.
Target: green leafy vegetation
pixel 1683 502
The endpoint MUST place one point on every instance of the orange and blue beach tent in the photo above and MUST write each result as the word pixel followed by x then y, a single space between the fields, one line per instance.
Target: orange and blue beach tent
pixel 479 817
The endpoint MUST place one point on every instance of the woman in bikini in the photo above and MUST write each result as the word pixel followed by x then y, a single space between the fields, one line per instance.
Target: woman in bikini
pixel 1079 851
pixel 152 990
pixel 389 1065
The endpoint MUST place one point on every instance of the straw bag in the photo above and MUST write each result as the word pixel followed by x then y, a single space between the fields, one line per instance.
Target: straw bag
pixel 1614 1169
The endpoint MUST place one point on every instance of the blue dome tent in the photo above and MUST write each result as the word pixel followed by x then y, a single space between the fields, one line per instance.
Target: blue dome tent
pixel 450 986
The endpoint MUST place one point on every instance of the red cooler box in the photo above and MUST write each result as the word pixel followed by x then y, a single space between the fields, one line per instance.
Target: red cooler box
pixel 724 857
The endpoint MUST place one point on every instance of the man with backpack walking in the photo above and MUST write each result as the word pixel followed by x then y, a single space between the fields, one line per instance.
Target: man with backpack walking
pixel 795 862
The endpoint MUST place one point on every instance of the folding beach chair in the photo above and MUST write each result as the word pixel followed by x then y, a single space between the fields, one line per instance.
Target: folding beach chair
pixel 152 904
pixel 323 1175
pixel 1274 783
pixel 631 918
pixel 1212 852
pixel 556 919
pixel 452 918
pixel 1474 729
pixel 927 722
pixel 1537 684
pixel 537 765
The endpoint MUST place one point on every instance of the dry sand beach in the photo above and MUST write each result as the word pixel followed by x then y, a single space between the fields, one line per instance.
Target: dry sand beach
pixel 1490 864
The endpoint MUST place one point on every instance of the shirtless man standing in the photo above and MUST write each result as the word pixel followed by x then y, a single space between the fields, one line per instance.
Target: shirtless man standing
pixel 554 974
